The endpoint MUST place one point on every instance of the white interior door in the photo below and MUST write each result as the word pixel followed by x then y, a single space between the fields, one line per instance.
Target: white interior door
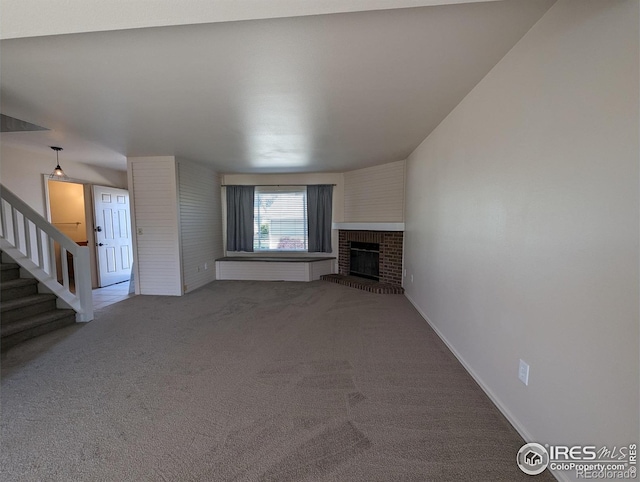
pixel 114 252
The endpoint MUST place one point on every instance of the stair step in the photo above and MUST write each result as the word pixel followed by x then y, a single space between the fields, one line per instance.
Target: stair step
pixel 26 328
pixel 9 271
pixel 18 288
pixel 13 310
pixel 24 313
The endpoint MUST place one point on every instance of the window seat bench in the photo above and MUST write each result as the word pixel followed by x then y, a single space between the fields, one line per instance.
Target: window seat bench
pixel 273 268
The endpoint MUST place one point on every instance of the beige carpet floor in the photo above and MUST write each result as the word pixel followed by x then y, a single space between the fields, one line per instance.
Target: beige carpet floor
pixel 250 381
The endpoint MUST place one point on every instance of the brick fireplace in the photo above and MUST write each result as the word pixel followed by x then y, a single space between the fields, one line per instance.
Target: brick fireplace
pixel 389 258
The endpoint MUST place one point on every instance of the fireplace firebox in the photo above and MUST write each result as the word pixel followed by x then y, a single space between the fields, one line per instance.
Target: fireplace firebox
pixel 359 247
pixel 365 260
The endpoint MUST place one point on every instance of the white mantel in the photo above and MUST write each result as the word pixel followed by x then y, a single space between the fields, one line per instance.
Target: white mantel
pixel 369 226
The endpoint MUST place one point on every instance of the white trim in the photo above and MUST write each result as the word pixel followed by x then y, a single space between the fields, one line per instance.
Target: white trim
pixel 176 177
pixel 524 433
pixel 369 226
pixel 135 272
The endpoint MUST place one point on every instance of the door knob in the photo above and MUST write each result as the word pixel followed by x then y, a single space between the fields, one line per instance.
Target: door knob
pixel 100 244
pixel 99 229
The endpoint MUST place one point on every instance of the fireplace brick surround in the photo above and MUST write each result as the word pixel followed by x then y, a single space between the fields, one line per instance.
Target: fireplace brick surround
pixel 390 259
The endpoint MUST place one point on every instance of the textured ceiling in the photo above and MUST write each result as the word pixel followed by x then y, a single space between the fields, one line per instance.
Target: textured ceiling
pixel 300 94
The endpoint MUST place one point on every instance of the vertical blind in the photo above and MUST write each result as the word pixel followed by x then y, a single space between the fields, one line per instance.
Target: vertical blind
pixel 280 218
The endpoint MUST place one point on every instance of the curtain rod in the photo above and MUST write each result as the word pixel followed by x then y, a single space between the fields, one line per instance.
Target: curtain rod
pixel 276 185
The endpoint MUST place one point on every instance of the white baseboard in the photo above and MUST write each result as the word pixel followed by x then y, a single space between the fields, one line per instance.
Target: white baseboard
pixel 524 433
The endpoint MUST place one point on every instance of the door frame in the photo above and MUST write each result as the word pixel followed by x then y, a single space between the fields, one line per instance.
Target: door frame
pixel 89 219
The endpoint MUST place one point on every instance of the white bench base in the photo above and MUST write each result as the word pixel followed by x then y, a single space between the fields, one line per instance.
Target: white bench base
pixel 273 269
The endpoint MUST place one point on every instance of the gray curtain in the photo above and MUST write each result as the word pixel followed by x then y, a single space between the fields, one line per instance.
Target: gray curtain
pixel 240 218
pixel 319 207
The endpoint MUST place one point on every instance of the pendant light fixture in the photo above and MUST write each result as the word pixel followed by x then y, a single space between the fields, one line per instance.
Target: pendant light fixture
pixel 58 174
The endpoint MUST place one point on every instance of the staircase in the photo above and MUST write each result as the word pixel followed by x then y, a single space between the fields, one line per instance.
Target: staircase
pixel 29 244
pixel 32 243
pixel 26 313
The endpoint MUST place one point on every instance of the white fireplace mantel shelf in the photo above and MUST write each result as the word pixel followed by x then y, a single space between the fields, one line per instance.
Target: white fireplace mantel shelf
pixel 369 226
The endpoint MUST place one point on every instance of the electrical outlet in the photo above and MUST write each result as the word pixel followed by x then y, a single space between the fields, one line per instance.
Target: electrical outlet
pixel 412 278
pixel 140 231
pixel 523 372
pixel 206 266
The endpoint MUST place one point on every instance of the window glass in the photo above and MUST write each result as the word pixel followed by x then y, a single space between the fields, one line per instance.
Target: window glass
pixel 280 218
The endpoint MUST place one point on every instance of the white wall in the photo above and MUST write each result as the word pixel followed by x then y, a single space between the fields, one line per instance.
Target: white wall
pixel 68 209
pixel 200 223
pixel 375 194
pixel 21 171
pixel 154 216
pixel 522 220
pixel 294 179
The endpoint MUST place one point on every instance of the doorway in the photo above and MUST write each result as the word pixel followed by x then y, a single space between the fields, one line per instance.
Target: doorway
pixel 70 208
pixel 67 212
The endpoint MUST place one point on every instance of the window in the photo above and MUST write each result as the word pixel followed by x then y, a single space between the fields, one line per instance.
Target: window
pixel 280 219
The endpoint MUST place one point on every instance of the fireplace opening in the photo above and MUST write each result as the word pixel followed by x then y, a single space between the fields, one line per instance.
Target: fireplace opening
pixel 364 260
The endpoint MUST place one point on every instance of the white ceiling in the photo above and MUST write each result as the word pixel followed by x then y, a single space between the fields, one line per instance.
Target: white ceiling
pixel 35 18
pixel 309 93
